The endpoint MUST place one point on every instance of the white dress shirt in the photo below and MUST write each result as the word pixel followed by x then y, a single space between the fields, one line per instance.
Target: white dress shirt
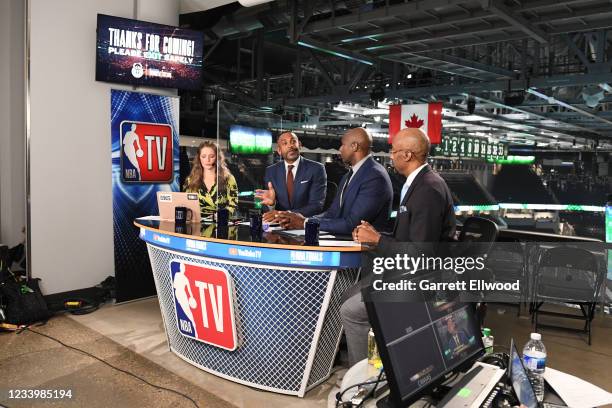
pixel 409 181
pixel 295 165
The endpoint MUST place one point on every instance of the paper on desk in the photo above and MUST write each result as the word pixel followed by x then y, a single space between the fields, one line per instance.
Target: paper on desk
pixel 335 243
pixel 298 232
pixel 301 232
pixel 271 227
pixel 150 218
pixel 576 393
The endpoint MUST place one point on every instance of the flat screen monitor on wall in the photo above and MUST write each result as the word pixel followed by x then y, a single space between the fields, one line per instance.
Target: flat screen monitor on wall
pixel 248 140
pixel 147 54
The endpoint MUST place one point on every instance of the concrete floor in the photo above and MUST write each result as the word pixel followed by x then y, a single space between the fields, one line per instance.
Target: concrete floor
pixel 31 361
pixel 137 326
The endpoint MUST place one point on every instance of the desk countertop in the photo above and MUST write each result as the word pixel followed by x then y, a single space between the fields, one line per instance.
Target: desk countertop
pixel 237 235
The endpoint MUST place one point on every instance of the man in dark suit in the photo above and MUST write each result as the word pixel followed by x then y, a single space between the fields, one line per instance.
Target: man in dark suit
pixel 426 213
pixel 425 216
pixel 457 338
pixel 295 183
pixel 364 193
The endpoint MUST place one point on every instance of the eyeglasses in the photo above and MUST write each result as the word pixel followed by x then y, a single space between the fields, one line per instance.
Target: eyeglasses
pixel 392 152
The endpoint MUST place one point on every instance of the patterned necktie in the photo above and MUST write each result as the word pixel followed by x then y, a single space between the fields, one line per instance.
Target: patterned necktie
pixel 348 178
pixel 290 182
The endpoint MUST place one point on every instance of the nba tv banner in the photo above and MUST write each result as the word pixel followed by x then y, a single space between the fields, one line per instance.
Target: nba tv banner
pixel 145 160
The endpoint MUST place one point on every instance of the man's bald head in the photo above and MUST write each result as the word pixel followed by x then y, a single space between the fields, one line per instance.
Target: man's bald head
pixel 361 137
pixel 410 150
pixel 414 140
pixel 356 144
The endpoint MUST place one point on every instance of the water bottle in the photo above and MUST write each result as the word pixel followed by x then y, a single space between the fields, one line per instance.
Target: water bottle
pixel 373 356
pixel 534 357
pixel 487 340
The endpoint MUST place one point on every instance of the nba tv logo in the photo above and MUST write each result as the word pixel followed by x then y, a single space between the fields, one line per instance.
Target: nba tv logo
pixel 146 152
pixel 204 300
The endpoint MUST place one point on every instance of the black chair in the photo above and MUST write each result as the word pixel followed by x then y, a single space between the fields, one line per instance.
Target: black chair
pixel 476 239
pixel 567 276
pixel 477 236
pixel 508 262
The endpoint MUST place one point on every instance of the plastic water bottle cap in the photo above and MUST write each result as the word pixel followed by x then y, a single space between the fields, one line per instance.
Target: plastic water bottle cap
pixel 486 331
pixel 536 336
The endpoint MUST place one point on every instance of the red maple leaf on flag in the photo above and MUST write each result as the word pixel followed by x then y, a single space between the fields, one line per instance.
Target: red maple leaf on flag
pixel 414 122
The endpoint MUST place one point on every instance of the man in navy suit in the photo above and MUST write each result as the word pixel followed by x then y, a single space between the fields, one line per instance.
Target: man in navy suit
pixel 457 338
pixel 364 193
pixel 295 183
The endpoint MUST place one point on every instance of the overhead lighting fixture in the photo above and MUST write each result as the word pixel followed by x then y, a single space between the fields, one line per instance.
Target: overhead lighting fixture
pixel 355 109
pixel 376 111
pixel 335 53
pixel 366 37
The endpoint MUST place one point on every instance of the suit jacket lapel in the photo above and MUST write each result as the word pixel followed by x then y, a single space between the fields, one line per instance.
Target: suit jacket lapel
pixel 337 199
pixel 415 182
pixel 299 176
pixel 354 180
pixel 281 180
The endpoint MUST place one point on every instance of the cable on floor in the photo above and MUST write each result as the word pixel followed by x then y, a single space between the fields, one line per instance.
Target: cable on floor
pixel 114 367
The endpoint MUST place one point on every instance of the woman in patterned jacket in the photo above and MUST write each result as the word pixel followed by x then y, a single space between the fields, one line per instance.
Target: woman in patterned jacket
pixel 212 181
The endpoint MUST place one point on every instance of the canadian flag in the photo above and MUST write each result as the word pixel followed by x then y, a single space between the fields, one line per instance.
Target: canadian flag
pixel 426 116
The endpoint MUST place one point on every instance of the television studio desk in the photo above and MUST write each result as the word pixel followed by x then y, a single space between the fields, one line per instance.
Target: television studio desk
pixel 287 299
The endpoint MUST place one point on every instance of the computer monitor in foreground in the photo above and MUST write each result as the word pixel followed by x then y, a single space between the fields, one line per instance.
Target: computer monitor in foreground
pixel 421 341
pixel 520 382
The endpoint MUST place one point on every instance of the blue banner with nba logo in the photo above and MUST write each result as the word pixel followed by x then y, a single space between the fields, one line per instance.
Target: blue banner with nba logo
pixel 145 160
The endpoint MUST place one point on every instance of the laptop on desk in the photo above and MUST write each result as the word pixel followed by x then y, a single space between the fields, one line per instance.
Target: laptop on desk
pixel 167 201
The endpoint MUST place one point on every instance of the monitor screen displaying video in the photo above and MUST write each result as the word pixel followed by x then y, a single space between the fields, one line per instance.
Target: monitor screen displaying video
pixel 248 140
pixel 148 54
pixel 422 341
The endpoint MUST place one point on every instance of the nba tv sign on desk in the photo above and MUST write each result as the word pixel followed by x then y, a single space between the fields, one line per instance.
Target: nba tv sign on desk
pixel 204 301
